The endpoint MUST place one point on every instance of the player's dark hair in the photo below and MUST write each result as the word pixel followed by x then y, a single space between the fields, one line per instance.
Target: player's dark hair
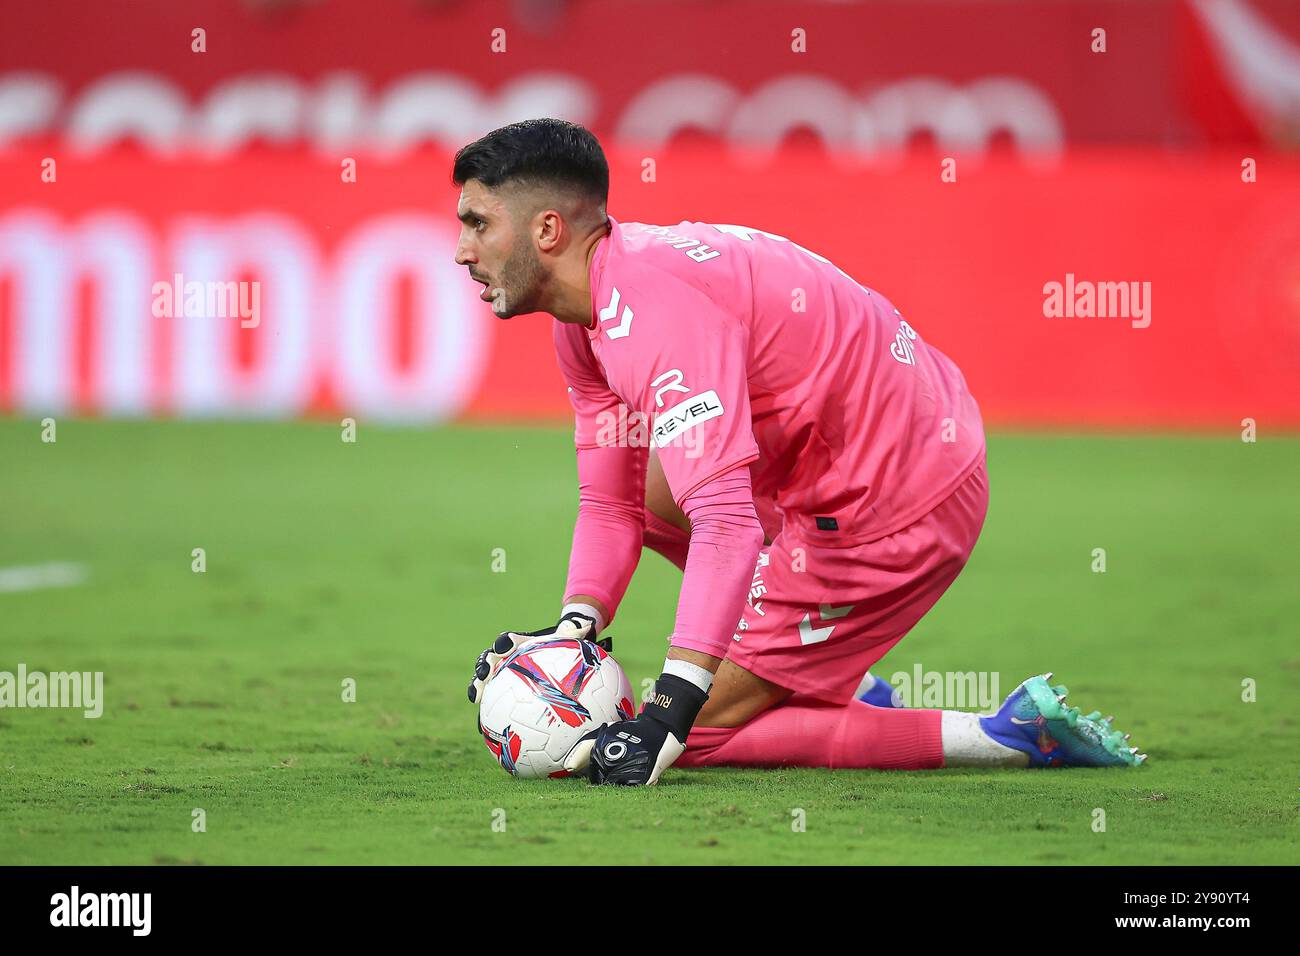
pixel 537 152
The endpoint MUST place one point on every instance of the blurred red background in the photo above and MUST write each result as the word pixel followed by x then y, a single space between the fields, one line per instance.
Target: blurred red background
pixel 1167 159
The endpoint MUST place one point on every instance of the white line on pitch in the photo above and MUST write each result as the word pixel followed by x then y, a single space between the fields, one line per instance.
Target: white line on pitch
pixel 32 577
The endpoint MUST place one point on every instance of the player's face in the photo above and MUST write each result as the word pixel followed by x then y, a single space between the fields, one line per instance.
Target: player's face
pixel 496 252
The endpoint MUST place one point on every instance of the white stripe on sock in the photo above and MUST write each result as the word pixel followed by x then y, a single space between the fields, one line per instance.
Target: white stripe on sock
pixel 966 745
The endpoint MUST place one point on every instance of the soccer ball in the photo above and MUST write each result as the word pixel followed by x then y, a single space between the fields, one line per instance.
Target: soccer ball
pixel 543 697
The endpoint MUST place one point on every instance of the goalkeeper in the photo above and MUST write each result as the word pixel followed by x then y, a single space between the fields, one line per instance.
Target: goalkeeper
pixel 815 467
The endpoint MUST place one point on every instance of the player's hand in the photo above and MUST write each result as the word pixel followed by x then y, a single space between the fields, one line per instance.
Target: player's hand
pixel 630 753
pixel 633 753
pixel 573 625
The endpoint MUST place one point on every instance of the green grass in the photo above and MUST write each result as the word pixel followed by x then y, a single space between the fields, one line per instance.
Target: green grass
pixel 373 561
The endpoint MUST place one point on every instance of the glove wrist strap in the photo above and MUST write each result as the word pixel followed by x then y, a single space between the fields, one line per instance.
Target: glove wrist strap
pixel 676 704
pixel 586 610
pixel 694 673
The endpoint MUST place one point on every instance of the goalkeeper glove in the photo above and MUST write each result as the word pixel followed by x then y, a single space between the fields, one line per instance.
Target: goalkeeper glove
pixel 633 753
pixel 579 622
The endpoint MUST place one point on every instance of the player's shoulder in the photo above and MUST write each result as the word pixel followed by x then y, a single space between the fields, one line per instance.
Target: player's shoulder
pixel 659 268
pixel 676 251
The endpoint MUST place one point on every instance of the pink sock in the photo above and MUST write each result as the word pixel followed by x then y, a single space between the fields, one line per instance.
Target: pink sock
pixel 668 539
pixel 814 734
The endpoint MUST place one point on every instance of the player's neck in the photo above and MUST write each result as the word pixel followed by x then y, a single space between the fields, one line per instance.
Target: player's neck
pixel 573 289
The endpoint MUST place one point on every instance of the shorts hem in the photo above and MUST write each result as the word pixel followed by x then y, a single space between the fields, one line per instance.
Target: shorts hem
pixel 775 676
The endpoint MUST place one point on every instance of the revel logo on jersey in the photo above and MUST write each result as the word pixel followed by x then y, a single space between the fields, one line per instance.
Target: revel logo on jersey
pixel 684 416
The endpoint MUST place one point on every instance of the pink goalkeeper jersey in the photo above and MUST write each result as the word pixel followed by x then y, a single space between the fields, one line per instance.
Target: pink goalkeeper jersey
pixel 738 346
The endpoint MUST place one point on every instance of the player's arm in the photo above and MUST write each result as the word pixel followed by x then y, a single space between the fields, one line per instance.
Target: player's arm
pixel 726 537
pixel 608 532
pixel 609 529
pixel 725 540
pixel 685 364
pixel 610 525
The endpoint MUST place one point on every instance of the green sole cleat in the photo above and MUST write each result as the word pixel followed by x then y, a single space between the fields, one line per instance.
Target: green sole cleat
pixel 1036 720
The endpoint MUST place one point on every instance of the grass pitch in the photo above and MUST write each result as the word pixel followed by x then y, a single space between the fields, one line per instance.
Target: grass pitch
pixel 373 561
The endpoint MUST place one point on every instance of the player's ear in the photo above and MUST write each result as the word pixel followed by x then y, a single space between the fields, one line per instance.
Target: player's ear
pixel 547 227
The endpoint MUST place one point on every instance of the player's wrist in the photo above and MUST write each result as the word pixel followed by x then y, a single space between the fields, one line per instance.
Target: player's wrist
pixel 699 676
pixel 676 703
pixel 586 610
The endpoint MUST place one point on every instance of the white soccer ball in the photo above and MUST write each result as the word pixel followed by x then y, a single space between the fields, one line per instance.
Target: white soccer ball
pixel 543 697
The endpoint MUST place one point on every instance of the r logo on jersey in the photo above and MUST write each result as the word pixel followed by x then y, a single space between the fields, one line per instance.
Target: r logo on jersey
pixel 674 378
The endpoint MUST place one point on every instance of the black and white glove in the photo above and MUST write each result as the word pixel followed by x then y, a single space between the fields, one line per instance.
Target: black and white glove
pixel 633 753
pixel 577 621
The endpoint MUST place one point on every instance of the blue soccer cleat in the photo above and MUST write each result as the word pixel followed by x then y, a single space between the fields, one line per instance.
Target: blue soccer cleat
pixel 1036 720
pixel 877 692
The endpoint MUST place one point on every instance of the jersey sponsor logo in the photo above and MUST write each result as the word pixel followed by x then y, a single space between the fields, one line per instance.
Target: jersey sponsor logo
pixel 684 416
pixel 902 349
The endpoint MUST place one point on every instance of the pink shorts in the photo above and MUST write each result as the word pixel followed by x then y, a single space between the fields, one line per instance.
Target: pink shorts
pixel 818 618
